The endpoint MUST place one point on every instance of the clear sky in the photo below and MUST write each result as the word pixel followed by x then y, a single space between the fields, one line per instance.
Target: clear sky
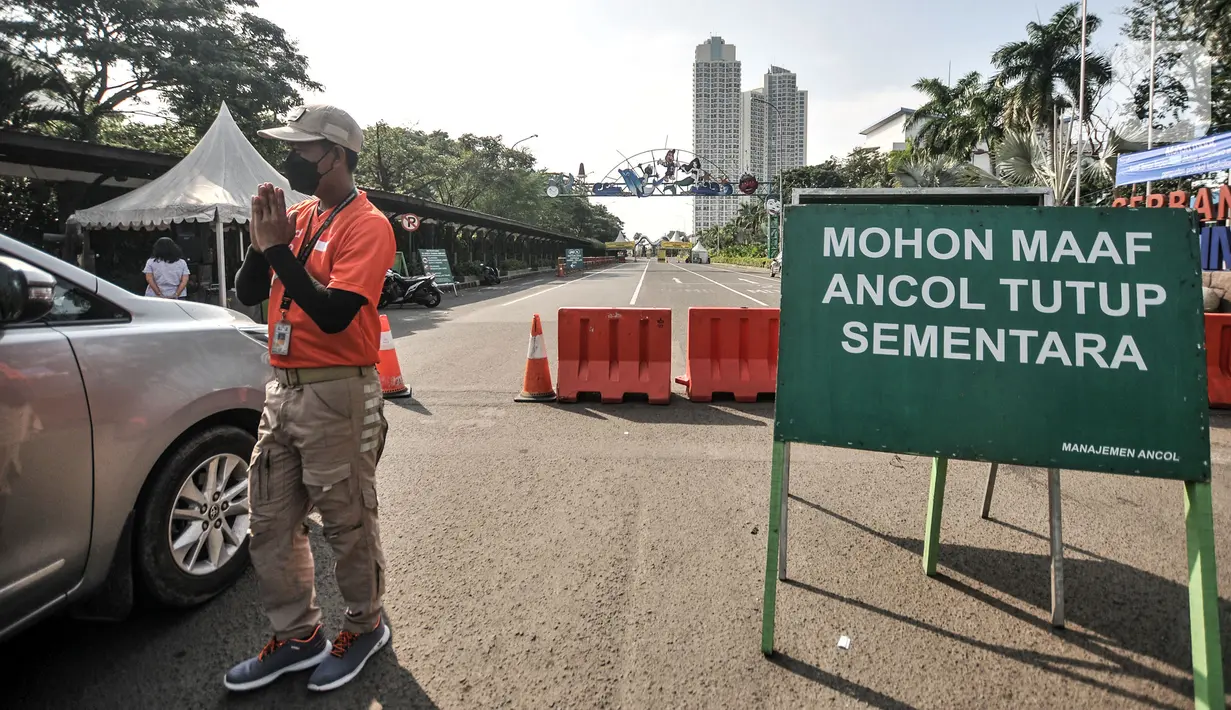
pixel 594 78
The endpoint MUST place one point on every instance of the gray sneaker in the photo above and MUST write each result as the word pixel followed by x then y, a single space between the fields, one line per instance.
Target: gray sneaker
pixel 350 652
pixel 277 658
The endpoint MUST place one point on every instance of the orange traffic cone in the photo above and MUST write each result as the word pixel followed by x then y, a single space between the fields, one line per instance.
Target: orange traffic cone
pixel 536 385
pixel 391 384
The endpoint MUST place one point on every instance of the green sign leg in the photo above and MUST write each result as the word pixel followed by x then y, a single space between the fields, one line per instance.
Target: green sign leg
pixel 936 501
pixel 784 523
pixel 776 497
pixel 987 492
pixel 1056 538
pixel 1203 597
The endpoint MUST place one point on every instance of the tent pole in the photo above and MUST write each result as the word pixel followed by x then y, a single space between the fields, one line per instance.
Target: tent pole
pixel 220 250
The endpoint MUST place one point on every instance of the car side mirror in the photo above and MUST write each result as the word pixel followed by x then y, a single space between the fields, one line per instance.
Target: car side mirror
pixel 26 293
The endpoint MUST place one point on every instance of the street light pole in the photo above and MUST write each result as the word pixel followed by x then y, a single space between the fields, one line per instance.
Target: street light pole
pixel 1150 108
pixel 772 178
pixel 523 140
pixel 1081 108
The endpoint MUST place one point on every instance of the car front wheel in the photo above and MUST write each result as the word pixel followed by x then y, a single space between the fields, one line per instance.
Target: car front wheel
pixel 192 533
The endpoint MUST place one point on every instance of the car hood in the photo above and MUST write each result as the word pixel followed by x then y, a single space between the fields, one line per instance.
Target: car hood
pixel 207 312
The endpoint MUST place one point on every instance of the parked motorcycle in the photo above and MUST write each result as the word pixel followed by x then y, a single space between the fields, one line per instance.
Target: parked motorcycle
pixel 399 290
pixel 488 275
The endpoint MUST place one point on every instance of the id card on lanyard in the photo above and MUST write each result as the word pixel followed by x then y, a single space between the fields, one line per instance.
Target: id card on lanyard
pixel 281 343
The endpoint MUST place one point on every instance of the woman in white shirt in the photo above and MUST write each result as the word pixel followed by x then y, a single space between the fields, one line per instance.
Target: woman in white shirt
pixel 166 272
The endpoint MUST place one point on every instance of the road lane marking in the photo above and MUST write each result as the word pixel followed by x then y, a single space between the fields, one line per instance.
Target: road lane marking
pixel 676 280
pixel 738 293
pixel 754 283
pixel 553 288
pixel 639 282
pixel 745 273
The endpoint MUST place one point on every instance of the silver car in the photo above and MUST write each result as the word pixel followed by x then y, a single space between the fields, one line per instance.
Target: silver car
pixel 126 424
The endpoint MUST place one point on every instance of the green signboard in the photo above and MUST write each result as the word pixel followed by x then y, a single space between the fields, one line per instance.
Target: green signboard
pixel 399 264
pixel 1060 338
pixel 436 261
pixel 573 259
pixel 1052 337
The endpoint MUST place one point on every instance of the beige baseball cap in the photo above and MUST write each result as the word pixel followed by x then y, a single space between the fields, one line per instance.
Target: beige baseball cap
pixel 315 122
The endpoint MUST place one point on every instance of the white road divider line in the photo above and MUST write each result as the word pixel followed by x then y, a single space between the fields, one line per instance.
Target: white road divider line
pixel 639 282
pixel 738 293
pixel 745 273
pixel 676 280
pixel 553 288
pixel 747 281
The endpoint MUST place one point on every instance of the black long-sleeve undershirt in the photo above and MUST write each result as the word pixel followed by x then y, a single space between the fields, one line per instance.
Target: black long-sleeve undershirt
pixel 332 309
pixel 252 279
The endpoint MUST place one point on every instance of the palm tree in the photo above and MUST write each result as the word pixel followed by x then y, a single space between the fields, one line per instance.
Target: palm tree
pixel 941 171
pixel 26 95
pixel 1031 69
pixel 960 120
pixel 1033 158
pixel 750 220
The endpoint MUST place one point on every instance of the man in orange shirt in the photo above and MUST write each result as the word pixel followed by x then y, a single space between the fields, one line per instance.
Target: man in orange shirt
pixel 323 428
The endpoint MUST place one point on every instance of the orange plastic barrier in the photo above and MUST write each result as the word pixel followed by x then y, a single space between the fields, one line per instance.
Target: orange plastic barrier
pixel 613 352
pixel 731 350
pixel 1218 358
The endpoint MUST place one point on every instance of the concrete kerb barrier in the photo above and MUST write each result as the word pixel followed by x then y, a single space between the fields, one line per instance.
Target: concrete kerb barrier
pixel 507 276
pixel 613 352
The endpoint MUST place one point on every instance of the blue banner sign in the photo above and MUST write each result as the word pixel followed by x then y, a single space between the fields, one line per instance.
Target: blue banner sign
pixel 1205 155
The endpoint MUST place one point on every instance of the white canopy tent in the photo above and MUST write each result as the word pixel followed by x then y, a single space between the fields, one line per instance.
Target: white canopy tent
pixel 700 255
pixel 214 183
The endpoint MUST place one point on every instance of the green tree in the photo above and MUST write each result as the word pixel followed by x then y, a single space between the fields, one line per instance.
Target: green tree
pixel 866 167
pixel 1037 158
pixel 25 94
pixel 579 216
pixel 108 57
pixel 167 137
pixel 749 222
pixel 475 165
pixel 897 157
pixel 960 120
pixel 475 172
pixel 826 174
pixel 1041 73
pixel 404 160
pixel 1207 22
pixel 941 171
pixel 27 209
pixel 720 239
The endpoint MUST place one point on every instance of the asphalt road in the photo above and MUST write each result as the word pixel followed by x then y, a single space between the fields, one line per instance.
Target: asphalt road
pixel 594 555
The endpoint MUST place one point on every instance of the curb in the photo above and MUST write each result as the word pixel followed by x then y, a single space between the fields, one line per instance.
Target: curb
pixel 509 276
pixel 741 267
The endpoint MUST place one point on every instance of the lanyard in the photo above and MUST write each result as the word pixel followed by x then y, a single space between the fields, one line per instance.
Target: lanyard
pixel 305 249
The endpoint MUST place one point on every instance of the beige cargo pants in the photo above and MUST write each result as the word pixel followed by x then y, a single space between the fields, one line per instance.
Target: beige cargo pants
pixel 318 446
